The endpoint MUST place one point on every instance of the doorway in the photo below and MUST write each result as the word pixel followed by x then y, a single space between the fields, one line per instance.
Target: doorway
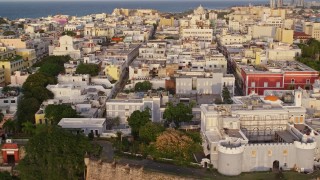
pixel 11 159
pixel 275 166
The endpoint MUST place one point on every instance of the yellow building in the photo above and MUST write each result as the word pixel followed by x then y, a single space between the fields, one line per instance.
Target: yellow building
pixel 28 55
pixel 166 21
pixel 10 62
pixel 2 79
pixel 17 43
pixel 39 117
pixel 114 71
pixel 284 35
pixel 278 13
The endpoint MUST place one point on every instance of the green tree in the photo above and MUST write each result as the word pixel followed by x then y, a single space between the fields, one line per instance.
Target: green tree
pixel 143 86
pixel 35 86
pixel 27 107
pixel 226 96
pixel 92 69
pixel 51 69
pixel 54 153
pixel 1 117
pixel 9 126
pixel 69 33
pixel 55 113
pixel 8 33
pixel 3 21
pixel 177 114
pixel 112 122
pixel 7 176
pixel 60 60
pixel 150 131
pixel 28 128
pixel 176 145
pixel 138 119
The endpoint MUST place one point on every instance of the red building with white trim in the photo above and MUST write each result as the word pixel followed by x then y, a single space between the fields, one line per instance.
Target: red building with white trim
pixel 276 75
pixel 10 153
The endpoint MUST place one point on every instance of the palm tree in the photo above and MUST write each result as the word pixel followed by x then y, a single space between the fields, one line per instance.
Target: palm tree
pixel 1 117
pixel 28 128
pixel 9 126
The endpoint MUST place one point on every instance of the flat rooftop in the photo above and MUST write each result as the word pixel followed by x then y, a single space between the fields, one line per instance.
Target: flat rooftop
pixel 286 136
pixel 277 67
pixel 81 122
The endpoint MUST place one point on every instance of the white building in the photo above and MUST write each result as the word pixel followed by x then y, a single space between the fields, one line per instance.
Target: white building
pixel 202 35
pixel 192 83
pixel 68 93
pixel 234 39
pixel 67 47
pixel 153 50
pixel 124 105
pixel 81 80
pixel 18 78
pixel 96 126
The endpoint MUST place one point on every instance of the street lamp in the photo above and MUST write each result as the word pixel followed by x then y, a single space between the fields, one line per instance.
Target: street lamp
pixel 86 163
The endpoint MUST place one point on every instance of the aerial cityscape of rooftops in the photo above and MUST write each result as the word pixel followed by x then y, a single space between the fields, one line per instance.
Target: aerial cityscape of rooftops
pixel 144 94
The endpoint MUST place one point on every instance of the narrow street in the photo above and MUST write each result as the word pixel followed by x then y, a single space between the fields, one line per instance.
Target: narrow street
pixel 120 84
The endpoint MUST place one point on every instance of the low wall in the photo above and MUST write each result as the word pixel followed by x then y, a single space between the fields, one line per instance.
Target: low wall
pixel 98 170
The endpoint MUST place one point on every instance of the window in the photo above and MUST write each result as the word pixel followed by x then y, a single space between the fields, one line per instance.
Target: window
pixel 5 101
pixel 13 101
pixel 269 153
pixel 253 153
pixel 265 84
pixel 308 81
pixel 278 84
pixel 285 153
pixel 292 81
pixel 253 84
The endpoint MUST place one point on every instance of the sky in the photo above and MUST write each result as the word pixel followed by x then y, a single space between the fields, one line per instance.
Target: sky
pixel 122 0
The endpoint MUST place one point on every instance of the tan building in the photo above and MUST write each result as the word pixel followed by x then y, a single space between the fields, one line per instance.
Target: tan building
pixel 284 35
pixel 28 55
pixel 166 21
pixel 10 62
pixel 17 43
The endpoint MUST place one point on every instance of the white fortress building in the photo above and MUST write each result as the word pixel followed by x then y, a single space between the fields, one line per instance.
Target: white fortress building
pixel 258 133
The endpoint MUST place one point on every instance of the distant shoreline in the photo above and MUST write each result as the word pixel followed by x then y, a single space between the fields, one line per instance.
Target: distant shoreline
pixel 37 9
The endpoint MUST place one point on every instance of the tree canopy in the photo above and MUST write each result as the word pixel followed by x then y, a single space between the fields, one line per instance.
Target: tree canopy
pixel 310 54
pixel 150 131
pixel 34 88
pixel 69 33
pixel 91 69
pixel 51 69
pixel 226 96
pixel 54 153
pixel 176 145
pixel 138 119
pixel 9 33
pixel 27 107
pixel 55 113
pixel 179 113
pixel 143 86
pixel 3 21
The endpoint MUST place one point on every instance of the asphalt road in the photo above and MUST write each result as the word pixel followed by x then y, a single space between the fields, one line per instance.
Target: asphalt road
pixel 166 168
pixel 107 151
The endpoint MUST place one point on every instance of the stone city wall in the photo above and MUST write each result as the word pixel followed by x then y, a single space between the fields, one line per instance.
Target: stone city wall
pixel 98 170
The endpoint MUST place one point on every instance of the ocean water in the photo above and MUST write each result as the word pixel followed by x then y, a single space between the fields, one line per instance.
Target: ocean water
pixel 32 9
